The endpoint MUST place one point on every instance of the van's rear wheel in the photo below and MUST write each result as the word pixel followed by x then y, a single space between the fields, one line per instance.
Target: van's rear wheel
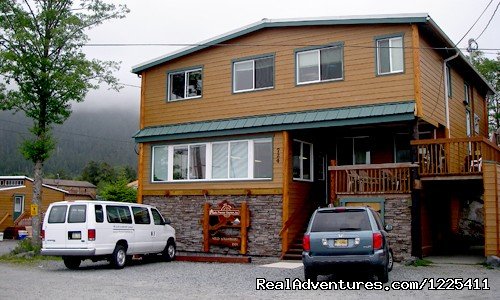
pixel 72 263
pixel 169 251
pixel 119 257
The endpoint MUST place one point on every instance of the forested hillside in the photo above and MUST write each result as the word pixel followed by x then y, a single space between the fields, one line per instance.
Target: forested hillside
pixel 102 135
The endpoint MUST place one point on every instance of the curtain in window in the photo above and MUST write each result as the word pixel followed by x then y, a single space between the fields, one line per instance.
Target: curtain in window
pixel 239 160
pixel 384 61
pixel 219 160
pixel 264 72
pixel 263 159
pixel 331 63
pixel 197 161
pixel 308 66
pixel 397 54
pixel 160 164
pixel 180 163
pixel 243 76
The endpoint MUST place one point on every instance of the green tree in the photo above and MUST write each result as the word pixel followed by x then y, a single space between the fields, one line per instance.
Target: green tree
pixel 118 191
pixel 96 173
pixel 490 69
pixel 44 68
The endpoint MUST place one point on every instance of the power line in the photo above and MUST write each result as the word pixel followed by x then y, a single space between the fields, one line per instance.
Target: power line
pixel 488 21
pixel 66 132
pixel 475 22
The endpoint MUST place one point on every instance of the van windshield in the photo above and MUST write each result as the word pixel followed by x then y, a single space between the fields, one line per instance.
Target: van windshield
pixel 58 214
pixel 348 220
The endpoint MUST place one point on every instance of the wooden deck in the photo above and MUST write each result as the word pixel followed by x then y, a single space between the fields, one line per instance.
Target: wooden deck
pixel 393 178
pixel 455 157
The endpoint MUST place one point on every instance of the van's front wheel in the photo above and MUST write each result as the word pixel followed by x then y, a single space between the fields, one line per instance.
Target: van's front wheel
pixel 119 257
pixel 72 263
pixel 169 251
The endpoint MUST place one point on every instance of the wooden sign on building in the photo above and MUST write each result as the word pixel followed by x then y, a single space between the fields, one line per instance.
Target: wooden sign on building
pixel 225 216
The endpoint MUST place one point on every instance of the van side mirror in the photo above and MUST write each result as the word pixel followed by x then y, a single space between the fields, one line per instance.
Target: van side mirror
pixel 167 222
pixel 388 227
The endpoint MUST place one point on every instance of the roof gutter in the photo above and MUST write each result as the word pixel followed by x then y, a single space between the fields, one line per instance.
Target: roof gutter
pixel 446 90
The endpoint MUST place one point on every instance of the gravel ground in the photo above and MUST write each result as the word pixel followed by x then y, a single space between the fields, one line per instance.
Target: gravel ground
pixel 51 280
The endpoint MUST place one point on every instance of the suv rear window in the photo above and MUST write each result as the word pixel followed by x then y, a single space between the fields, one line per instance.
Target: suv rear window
pixel 118 214
pixel 77 213
pixel 58 214
pixel 348 220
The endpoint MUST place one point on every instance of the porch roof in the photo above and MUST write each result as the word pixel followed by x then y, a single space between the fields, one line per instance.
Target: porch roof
pixel 333 117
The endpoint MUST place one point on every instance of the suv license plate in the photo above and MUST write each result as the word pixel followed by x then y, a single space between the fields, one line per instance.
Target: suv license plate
pixel 340 243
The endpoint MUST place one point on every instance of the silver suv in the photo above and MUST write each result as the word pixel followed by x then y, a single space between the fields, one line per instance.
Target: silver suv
pixel 344 237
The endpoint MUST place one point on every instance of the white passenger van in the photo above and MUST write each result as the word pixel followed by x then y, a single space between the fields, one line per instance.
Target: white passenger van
pixel 104 230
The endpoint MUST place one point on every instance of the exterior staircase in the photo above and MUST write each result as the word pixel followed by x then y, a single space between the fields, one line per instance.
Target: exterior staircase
pixel 295 250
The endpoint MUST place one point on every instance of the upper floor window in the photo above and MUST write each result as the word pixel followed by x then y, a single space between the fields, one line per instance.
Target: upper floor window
pixel 467 95
pixel 448 80
pixel 253 74
pixel 390 55
pixel 325 64
pixel 185 84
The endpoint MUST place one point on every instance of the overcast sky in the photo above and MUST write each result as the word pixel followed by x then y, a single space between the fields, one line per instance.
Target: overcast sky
pixel 191 21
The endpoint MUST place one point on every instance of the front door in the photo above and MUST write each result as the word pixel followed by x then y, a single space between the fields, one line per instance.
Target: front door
pixel 18 206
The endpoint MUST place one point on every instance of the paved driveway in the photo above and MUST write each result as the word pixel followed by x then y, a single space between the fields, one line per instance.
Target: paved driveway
pixel 7 245
pixel 50 279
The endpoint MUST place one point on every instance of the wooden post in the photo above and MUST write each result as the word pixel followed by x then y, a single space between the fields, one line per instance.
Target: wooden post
pixel 244 226
pixel 333 187
pixel 206 225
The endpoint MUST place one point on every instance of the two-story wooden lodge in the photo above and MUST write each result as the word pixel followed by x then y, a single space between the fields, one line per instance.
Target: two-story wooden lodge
pixel 289 115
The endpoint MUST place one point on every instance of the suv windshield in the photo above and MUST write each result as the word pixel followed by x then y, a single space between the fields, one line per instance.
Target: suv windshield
pixel 347 220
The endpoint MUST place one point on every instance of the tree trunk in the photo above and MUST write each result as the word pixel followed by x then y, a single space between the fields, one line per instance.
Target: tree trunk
pixel 37 200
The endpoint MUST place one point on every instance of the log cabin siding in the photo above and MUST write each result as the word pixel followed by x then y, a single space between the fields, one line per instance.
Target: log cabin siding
pixel 360 84
pixel 491 177
pixel 7 201
pixel 431 67
pixel 151 188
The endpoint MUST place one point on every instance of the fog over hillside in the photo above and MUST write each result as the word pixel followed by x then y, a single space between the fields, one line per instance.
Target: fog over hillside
pixel 99 134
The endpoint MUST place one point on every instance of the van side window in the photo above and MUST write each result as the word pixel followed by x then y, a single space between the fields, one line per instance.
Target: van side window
pixel 77 214
pixel 157 217
pixel 118 214
pixel 141 215
pixel 99 214
pixel 58 214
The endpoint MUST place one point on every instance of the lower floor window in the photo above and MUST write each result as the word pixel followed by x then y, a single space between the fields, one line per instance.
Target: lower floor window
pixel 302 160
pixel 239 159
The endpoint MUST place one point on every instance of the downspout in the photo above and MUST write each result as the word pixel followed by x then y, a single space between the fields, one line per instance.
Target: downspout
pixel 446 89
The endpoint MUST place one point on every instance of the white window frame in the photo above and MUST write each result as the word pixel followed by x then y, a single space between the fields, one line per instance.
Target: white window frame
pixel 186 84
pixel 341 47
pixel 391 64
pixel 253 75
pixel 16 206
pixel 467 93
pixel 208 161
pixel 153 163
pixel 311 162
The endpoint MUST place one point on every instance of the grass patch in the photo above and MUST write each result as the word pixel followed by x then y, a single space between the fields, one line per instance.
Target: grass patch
pixel 31 254
pixel 421 263
pixel 13 259
pixel 487 266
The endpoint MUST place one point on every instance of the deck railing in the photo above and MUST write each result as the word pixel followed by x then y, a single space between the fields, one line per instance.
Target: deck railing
pixel 393 178
pixel 455 156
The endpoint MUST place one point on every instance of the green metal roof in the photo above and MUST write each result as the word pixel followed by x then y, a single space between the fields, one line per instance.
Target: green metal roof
pixel 274 23
pixel 334 117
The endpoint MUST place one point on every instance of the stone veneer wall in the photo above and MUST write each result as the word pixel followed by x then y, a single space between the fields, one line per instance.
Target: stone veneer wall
pixel 398 213
pixel 185 213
